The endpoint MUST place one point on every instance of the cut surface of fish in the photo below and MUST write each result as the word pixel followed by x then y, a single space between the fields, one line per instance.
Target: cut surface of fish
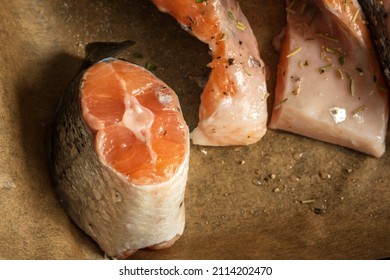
pixel 233 108
pixel 330 85
pixel 121 157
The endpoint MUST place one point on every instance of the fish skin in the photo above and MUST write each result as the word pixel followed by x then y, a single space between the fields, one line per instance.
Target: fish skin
pixel 120 216
pixel 97 51
pixel 376 13
pixel 309 113
pixel 233 108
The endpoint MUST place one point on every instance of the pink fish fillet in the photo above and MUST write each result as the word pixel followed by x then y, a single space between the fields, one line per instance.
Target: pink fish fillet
pixel 330 85
pixel 233 108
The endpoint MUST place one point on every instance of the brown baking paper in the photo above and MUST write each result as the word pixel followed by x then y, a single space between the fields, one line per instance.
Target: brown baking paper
pixel 286 197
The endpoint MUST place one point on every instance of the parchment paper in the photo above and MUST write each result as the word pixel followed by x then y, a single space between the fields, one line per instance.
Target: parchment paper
pixel 286 197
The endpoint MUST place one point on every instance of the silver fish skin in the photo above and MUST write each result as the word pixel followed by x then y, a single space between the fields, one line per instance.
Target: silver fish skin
pixel 377 15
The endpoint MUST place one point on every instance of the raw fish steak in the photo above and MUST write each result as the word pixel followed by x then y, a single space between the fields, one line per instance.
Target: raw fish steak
pixel 121 155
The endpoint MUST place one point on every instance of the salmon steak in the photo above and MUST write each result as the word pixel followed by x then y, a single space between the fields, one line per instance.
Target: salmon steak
pixel 233 109
pixel 121 157
pixel 330 85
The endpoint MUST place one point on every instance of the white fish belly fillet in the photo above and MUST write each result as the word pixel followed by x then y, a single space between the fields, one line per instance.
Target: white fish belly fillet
pixel 233 108
pixel 330 86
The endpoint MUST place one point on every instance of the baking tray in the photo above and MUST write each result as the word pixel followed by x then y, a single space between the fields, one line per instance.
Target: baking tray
pixel 286 197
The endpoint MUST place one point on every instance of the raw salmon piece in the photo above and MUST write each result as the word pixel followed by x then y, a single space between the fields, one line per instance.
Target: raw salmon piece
pixel 330 85
pixel 377 14
pixel 121 158
pixel 233 108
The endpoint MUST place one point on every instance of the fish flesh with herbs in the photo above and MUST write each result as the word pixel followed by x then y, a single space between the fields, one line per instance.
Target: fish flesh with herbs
pixel 233 109
pixel 330 85
pixel 120 150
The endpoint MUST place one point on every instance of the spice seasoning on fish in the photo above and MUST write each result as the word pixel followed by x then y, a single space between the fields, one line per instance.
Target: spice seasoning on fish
pixel 323 54
pixel 294 52
pixel 340 73
pixel 281 103
pixel 266 96
pixel 290 11
pixel 359 110
pixel 191 20
pixel 240 26
pixel 289 8
pixel 327 37
pixel 303 9
pixel 325 68
pixel 335 50
pixel 246 72
pixel 297 90
pixel 360 70
pixel 342 60
pixel 355 15
pixel 351 86
pixel 230 15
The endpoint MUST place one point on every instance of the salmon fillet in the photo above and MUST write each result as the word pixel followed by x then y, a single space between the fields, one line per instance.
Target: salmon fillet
pixel 233 108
